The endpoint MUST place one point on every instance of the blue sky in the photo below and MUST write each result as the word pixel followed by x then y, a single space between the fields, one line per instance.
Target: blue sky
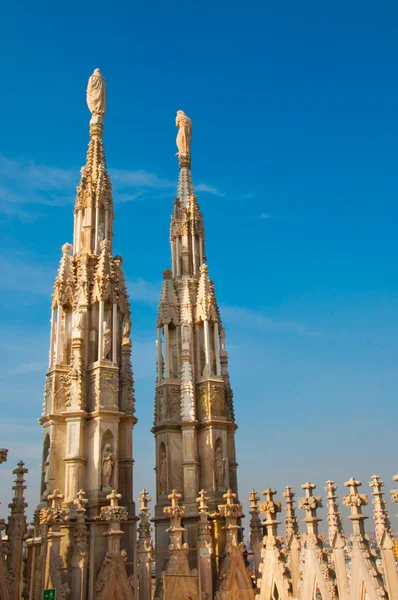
pixel 295 164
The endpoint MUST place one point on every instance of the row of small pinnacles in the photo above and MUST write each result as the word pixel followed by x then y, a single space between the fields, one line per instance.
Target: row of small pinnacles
pixel 295 551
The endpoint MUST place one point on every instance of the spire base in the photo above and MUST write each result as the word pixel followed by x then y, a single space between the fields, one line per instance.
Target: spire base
pixel 184 159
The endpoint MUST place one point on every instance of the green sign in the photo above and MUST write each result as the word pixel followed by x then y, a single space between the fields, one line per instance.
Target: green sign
pixel 49 594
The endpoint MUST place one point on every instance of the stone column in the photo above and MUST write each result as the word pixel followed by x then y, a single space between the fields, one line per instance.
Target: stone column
pixel 114 332
pixel 159 355
pixel 205 548
pixel 58 349
pixel 178 258
pixel 52 329
pixel 106 223
pixel 74 232
pixel 96 228
pixel 166 351
pixel 144 548
pixel 201 251
pixel 100 328
pixel 194 265
pixel 173 266
pixel 207 346
pixel 217 349
pixel 79 558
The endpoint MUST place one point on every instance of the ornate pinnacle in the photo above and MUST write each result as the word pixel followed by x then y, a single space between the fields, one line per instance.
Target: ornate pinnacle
pixel 310 504
pixel 114 512
pixel 269 507
pixel 174 497
pixel 18 501
pixel 54 500
pixel 55 514
pixel 81 501
pixel 335 527
pixel 230 510
pixel 291 521
pixel 174 511
pixel 167 274
pixel 394 493
pixel 382 521
pixel 3 455
pixel 353 499
pixel 253 499
pixel 201 500
pixel 144 500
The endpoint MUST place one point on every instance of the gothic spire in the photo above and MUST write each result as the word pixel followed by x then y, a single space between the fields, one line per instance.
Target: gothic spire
pixel 94 205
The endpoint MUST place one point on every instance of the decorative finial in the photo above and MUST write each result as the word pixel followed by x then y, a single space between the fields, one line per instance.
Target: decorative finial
pixel 144 500
pixel 96 94
pixel 3 455
pixel 184 136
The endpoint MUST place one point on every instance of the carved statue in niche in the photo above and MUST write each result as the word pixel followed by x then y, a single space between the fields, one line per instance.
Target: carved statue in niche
pixel 46 469
pixel 162 470
pixel 222 338
pixel 185 334
pixel 126 327
pixel 64 346
pixel 203 366
pixel 101 233
pixel 106 340
pixel 78 323
pixel 184 135
pixel 173 360
pixel 219 467
pixel 212 360
pixel 174 405
pixel 108 461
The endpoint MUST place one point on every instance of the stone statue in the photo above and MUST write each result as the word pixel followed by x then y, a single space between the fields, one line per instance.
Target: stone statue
pixel 108 460
pixel 219 468
pixel 162 470
pixel 185 334
pixel 106 340
pixel 101 233
pixel 184 135
pixel 96 94
pixel 222 338
pixel 45 474
pixel 64 343
pixel 78 323
pixel 127 327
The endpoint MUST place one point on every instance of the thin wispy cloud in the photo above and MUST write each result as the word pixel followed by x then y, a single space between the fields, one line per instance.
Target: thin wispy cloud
pixel 209 189
pixel 26 185
pixel 247 196
pixel 254 319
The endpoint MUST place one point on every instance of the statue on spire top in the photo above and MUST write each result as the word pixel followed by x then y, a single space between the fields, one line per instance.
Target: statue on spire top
pixel 184 135
pixel 96 94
